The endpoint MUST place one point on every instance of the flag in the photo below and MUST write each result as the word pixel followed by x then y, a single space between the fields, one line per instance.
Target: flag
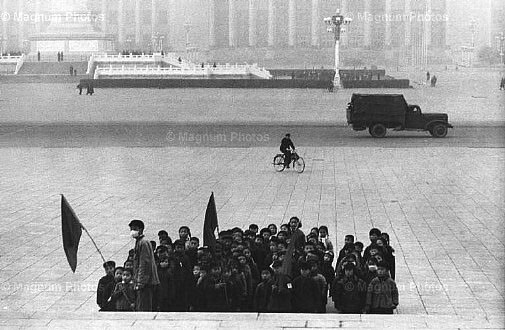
pixel 71 232
pixel 210 224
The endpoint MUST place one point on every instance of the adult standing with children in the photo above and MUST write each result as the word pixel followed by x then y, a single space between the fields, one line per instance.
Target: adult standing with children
pixel 145 273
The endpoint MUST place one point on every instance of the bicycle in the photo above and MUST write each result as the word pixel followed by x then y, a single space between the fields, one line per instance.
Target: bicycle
pixel 298 162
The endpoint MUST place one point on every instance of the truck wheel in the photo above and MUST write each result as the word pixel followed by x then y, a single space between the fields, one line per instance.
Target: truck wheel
pixel 377 130
pixel 438 131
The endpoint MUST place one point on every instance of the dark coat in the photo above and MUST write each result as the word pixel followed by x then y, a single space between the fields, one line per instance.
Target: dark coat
pixel 104 292
pixel 124 297
pixel 220 295
pixel 286 143
pixel 382 293
pixel 262 296
pixel 349 294
pixel 306 295
pixel 280 300
pixel 144 265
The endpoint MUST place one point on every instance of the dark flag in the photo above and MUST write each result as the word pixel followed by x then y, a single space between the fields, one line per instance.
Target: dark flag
pixel 210 224
pixel 71 232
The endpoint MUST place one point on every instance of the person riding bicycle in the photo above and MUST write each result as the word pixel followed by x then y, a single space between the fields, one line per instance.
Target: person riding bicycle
pixel 286 147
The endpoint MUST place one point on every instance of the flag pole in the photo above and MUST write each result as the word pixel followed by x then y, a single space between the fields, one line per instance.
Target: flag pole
pixel 92 240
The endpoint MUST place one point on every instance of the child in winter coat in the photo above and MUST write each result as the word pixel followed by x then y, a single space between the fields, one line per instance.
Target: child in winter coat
pixel 124 293
pixel 349 291
pixel 382 293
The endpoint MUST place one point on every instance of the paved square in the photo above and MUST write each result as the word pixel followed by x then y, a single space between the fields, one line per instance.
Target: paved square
pixel 442 206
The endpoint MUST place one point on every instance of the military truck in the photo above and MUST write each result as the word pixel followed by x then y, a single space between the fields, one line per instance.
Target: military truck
pixel 378 112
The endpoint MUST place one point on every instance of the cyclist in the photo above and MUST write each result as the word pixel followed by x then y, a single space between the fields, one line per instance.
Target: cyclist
pixel 286 147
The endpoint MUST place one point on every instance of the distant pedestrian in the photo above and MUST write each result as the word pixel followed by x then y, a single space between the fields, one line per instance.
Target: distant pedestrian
pixel 214 65
pixel 502 83
pixel 59 57
pixel 38 56
pixel 331 87
pixel 71 70
pixel 90 89
pixel 75 72
pixel 433 81
pixel 428 76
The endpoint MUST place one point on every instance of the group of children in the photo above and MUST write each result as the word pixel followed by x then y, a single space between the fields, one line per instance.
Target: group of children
pixel 267 270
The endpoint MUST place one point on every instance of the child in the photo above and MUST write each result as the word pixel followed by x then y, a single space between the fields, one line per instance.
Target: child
pixel 128 264
pixel 389 254
pixel 162 235
pixel 325 239
pixel 184 235
pixel 382 293
pixel 263 291
pixel 349 292
pixel 327 269
pixel 306 295
pixel 373 235
pixel 321 284
pixel 124 293
pixel 273 229
pixel 118 275
pixel 349 239
pixel 165 292
pixel 280 299
pixel 369 271
pixel 254 228
pixel 105 287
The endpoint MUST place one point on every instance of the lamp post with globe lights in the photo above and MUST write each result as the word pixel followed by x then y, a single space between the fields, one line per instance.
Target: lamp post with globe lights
pixel 501 39
pixel 334 24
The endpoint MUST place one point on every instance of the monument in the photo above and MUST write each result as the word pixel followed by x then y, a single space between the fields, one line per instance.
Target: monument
pixel 71 29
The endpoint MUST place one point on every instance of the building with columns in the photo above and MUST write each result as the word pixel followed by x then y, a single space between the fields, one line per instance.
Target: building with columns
pixel 400 28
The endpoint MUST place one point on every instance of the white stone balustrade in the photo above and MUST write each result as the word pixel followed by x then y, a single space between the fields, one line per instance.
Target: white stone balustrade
pixel 11 59
pixel 186 71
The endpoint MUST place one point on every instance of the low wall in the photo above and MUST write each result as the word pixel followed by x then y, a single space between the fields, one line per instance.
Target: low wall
pixel 204 83
pixel 47 79
pixel 396 83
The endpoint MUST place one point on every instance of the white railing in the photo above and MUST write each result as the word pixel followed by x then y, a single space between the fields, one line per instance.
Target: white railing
pixel 183 71
pixel 21 60
pixel 10 58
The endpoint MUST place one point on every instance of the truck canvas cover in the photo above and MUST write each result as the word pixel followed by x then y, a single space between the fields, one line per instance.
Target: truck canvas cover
pixel 378 108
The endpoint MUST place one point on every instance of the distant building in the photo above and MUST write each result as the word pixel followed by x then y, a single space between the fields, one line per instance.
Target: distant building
pixel 409 29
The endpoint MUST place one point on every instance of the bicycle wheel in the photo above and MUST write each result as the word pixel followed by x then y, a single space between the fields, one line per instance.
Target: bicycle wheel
pixel 279 162
pixel 299 164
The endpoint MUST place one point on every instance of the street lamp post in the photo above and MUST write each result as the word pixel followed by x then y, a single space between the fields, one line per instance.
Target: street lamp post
pixel 334 24
pixel 187 28
pixel 501 39
pixel 473 29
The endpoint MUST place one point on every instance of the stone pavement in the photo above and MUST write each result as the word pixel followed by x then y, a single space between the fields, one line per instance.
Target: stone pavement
pixel 443 208
pixel 468 96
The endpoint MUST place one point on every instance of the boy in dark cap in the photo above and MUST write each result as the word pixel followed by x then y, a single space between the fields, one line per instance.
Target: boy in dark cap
pixel 263 291
pixel 382 293
pixel 105 287
pixel 373 235
pixel 349 291
pixel 306 295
